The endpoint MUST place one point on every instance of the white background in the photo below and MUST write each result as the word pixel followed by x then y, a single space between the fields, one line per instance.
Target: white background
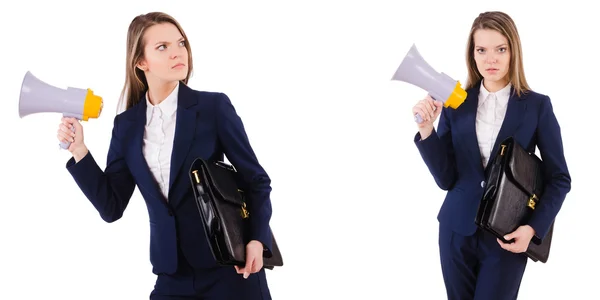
pixel 354 205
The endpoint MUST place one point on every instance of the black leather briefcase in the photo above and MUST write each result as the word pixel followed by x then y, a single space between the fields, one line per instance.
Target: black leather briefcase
pixel 222 207
pixel 514 186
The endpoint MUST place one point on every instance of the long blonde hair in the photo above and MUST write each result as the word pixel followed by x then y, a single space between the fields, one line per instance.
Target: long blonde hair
pixel 503 23
pixel 135 80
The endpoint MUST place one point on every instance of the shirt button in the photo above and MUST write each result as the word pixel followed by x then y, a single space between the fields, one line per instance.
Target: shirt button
pixel 483 184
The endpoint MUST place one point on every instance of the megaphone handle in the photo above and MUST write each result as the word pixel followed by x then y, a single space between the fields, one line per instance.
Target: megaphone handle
pixel 418 118
pixel 65 145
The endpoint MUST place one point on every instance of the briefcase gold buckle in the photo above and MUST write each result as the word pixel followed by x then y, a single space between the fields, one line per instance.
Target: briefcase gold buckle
pixel 532 200
pixel 245 213
pixel 502 151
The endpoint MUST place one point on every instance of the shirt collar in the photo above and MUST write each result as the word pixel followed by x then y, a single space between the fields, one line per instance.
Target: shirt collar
pixel 167 106
pixel 504 92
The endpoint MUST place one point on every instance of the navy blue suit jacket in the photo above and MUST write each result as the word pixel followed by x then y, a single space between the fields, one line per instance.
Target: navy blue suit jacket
pixel 452 155
pixel 207 126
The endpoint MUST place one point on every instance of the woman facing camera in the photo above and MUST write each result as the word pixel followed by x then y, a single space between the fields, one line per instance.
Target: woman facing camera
pixel 500 103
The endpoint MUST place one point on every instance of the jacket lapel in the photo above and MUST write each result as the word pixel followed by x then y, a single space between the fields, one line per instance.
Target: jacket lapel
pixel 185 130
pixel 470 117
pixel 514 116
pixel 139 163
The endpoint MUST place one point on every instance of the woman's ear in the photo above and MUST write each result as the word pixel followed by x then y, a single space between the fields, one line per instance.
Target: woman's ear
pixel 142 66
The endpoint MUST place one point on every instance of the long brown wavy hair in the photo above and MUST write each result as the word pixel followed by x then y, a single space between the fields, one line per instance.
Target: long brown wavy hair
pixel 504 24
pixel 135 80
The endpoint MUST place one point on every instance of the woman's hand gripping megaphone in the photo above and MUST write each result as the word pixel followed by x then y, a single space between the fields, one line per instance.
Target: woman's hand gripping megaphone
pixel 70 132
pixel 427 111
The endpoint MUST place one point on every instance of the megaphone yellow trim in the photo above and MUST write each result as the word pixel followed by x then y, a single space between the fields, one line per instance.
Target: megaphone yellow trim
pixel 92 106
pixel 457 97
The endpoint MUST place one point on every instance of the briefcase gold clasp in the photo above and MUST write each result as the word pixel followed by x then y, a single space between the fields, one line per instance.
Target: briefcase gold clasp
pixel 245 213
pixel 195 172
pixel 502 151
pixel 532 201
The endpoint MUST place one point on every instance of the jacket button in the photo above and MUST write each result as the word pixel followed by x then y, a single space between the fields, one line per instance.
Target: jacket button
pixel 483 184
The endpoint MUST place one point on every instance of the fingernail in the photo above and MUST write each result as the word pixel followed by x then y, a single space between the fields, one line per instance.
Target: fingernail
pixel 245 275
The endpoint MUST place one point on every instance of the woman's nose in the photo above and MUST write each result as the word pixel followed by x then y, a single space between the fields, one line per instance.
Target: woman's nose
pixel 490 58
pixel 177 52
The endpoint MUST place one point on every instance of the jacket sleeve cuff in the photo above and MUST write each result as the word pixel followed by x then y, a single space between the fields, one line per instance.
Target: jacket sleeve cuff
pixel 431 141
pixel 262 233
pixel 541 226
pixel 81 167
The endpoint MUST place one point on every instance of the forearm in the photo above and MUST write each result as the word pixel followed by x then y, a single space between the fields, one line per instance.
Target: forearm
pixel 549 205
pixel 109 194
pixel 260 212
pixel 438 158
pixel 557 177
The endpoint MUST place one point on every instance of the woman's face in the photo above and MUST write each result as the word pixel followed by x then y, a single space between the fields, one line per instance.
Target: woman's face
pixel 165 54
pixel 492 56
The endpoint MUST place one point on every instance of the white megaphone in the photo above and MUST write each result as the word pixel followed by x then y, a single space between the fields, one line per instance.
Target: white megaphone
pixel 40 97
pixel 441 87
